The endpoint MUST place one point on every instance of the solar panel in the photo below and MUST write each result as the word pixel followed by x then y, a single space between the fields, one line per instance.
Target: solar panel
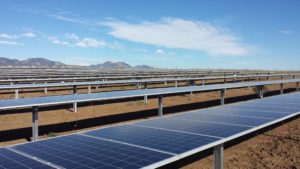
pixel 258 107
pixel 243 112
pixel 169 141
pixel 10 159
pixel 77 151
pixel 198 127
pixel 49 100
pixel 223 118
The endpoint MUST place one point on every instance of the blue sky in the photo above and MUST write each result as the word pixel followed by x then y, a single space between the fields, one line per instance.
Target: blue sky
pixel 162 33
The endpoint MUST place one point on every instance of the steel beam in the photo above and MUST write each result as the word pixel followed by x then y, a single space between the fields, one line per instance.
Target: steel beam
pixel 35 125
pixel 281 88
pixel 176 83
pixel 160 105
pixel 219 157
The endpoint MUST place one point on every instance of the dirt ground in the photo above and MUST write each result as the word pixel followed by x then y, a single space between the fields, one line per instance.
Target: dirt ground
pixel 273 149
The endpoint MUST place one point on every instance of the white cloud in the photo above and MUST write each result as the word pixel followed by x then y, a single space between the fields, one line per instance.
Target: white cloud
pixel 55 40
pixel 160 52
pixel 286 31
pixel 90 42
pixel 28 35
pixel 72 36
pixel 82 43
pixel 10 43
pixel 180 33
pixel 7 36
pixel 68 19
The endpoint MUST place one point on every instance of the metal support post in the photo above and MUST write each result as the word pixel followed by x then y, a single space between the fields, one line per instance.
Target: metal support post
pixel 222 92
pixel 160 105
pixel 203 82
pixel 165 83
pixel 145 85
pixel 16 94
pixel 89 89
pixel 74 89
pixel 297 86
pixel 260 92
pixel 75 107
pixel 145 99
pixel 281 88
pixel 35 125
pixel 219 157
pixel 45 89
pixel 176 83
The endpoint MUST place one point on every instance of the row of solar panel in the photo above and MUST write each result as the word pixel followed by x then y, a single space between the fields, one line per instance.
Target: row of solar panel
pixel 20 86
pixel 51 100
pixel 150 142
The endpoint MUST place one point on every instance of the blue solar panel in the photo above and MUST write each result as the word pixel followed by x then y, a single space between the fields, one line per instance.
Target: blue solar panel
pixel 223 118
pixel 243 112
pixel 76 151
pixel 205 128
pixel 270 108
pixel 10 159
pixel 173 142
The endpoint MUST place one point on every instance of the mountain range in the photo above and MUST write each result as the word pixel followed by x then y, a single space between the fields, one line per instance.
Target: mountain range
pixel 45 63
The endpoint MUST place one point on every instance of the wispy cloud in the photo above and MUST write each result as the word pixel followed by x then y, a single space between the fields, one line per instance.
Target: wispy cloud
pixel 9 43
pixel 28 35
pixel 90 42
pixel 72 36
pixel 286 31
pixel 7 36
pixel 180 33
pixel 15 36
pixel 162 52
pixel 67 19
pixel 55 40
pixel 76 41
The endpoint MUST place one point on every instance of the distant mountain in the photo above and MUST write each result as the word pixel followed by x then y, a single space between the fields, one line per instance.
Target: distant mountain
pixel 45 63
pixel 118 65
pixel 31 63
pixel 111 65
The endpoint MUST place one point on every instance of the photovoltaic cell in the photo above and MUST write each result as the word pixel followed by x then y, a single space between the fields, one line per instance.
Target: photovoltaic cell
pixel 257 107
pixel 10 159
pixel 173 142
pixel 223 118
pixel 77 151
pixel 204 128
pixel 243 112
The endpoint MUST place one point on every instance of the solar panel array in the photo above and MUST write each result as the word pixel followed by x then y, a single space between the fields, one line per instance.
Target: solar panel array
pixel 154 142
pixel 55 100
pixel 40 85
